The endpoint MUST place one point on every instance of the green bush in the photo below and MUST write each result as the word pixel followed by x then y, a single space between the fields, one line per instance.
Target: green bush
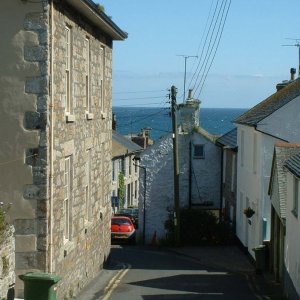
pixel 199 227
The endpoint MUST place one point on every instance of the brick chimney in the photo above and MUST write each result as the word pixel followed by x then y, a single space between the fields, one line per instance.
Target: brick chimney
pixel 284 83
pixel 188 113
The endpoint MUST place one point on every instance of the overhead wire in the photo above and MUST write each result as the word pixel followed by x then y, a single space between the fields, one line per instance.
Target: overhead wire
pixel 216 49
pixel 204 44
pixel 216 40
pixel 208 48
pixel 137 92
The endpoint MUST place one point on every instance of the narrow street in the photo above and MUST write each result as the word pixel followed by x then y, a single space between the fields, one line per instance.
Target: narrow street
pixel 152 273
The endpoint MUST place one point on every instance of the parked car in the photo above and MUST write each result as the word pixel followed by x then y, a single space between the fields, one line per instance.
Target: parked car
pixel 122 230
pixel 132 213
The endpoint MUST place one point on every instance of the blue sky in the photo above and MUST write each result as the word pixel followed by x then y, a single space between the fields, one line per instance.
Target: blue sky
pixel 250 59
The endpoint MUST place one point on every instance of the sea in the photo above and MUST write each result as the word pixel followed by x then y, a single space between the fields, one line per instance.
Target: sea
pixel 131 120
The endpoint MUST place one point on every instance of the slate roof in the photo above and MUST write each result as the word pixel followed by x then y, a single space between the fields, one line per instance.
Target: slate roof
pixel 265 108
pixel 283 152
pixel 229 139
pixel 211 137
pixel 122 145
pixel 293 164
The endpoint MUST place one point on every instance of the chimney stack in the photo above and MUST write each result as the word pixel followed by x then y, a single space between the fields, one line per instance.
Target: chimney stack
pixel 293 72
pixel 190 94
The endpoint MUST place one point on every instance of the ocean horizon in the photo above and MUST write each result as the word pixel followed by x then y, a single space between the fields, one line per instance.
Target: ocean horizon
pixel 130 120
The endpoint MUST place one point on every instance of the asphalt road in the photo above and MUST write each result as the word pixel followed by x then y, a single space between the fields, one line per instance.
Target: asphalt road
pixel 153 274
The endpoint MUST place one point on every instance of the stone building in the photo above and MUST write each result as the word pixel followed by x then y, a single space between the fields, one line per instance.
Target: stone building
pixel 125 169
pixel 55 151
pixel 199 172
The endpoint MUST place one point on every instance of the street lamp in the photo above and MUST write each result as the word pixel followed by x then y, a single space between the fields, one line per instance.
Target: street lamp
pixel 144 201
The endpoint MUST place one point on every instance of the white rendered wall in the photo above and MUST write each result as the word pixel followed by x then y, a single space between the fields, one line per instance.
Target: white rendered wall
pixel 252 183
pixel 292 241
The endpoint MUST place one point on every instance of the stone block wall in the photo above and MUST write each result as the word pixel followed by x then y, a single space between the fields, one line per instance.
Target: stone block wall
pixel 78 259
pixel 7 264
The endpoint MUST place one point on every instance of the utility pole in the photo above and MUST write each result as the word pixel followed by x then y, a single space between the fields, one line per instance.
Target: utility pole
pixel 175 168
pixel 297 41
pixel 184 80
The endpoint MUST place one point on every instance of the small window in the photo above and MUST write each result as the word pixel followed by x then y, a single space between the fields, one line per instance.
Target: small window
pixel 198 151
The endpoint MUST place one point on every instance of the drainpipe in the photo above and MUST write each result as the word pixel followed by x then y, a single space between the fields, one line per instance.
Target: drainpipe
pixel 51 106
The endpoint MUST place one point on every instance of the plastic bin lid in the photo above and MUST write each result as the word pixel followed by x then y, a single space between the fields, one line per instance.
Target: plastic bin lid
pixel 39 276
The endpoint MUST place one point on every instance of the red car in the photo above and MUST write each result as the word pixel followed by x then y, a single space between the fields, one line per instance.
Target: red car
pixel 122 230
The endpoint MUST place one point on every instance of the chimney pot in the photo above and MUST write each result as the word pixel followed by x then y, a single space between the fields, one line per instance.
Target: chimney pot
pixel 293 72
pixel 190 94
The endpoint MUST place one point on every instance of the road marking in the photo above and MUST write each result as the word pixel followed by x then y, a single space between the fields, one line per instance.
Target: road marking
pixel 114 282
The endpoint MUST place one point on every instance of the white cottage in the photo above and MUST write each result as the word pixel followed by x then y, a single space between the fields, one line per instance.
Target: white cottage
pixel 284 192
pixel 292 243
pixel 199 179
pixel 274 119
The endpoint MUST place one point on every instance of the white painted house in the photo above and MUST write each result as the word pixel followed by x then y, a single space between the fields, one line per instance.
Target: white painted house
pixel 125 173
pixel 200 169
pixel 275 119
pixel 284 191
pixel 292 242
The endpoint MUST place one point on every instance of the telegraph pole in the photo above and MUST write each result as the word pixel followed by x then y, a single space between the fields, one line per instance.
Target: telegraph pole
pixel 175 168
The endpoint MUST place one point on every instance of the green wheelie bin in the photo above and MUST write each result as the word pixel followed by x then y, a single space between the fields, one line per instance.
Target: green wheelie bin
pixel 39 286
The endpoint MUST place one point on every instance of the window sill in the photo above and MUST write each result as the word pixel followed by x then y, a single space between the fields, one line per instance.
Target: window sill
pixel 70 118
pixel 89 116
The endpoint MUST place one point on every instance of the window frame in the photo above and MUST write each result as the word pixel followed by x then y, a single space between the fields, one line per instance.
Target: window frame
pixel 68 64
pixel 88 97
pixel 195 154
pixel 67 198
pixel 87 189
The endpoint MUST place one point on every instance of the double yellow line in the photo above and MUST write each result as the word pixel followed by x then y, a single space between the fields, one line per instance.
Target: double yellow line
pixel 114 282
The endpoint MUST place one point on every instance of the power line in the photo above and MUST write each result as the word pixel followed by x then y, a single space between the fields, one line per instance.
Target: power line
pixel 139 98
pixel 137 92
pixel 209 47
pixel 197 71
pixel 203 78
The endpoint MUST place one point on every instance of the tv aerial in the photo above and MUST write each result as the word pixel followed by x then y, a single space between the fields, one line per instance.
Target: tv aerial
pixel 296 44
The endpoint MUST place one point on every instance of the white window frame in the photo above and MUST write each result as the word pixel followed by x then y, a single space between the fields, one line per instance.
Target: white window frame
pixel 102 76
pixel 87 191
pixel 67 198
pixel 88 98
pixel 68 41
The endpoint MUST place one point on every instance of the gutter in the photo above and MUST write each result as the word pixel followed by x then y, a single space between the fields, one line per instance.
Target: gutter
pixel 89 9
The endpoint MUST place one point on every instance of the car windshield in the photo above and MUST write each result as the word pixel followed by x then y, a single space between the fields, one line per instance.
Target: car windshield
pixel 120 221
